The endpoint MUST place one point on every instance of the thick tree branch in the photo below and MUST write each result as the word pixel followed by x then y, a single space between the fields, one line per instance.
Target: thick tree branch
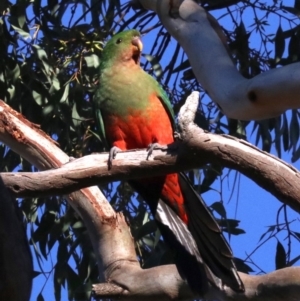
pixel 276 286
pixel 263 96
pixel 198 148
pixel 271 173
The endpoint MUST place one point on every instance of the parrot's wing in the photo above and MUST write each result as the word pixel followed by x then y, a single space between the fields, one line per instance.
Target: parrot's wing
pixel 162 95
pixel 101 128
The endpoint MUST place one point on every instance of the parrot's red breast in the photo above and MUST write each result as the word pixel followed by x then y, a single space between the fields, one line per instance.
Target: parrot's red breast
pixel 139 129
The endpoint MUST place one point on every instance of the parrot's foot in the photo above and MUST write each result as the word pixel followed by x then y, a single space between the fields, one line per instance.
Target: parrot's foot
pixel 177 136
pixel 152 147
pixel 112 155
pixel 70 159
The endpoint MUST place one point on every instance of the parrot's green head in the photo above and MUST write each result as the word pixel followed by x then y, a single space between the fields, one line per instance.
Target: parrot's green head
pixel 123 47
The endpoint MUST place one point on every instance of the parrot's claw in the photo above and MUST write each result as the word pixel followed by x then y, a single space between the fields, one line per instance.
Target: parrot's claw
pixel 151 148
pixel 70 159
pixel 112 155
pixel 177 136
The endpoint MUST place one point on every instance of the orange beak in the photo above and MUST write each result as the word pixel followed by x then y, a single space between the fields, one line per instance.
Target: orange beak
pixel 136 41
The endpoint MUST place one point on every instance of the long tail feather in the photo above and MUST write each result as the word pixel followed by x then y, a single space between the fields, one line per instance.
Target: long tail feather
pixel 188 259
pixel 207 234
pixel 202 253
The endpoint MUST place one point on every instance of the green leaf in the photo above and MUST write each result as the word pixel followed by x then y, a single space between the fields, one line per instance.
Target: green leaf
pixel 270 229
pixel 40 297
pixel 55 86
pixel 76 119
pixel 278 137
pixel 297 4
pixel 233 223
pixel 294 129
pixel 242 266
pixel 280 258
pixel 57 284
pixel 184 65
pixel 78 225
pixel 265 135
pixel 36 6
pixel 211 173
pixel 240 130
pixel 295 155
pixel 92 61
pixel 148 228
pixel 4 5
pixel 285 133
pixel 235 231
pixel 297 234
pixel 201 121
pixel 36 273
pixel 73 282
pixel 241 43
pixel 43 57
pixel 230 226
pixel 46 223
pixel 219 208
pixel 25 35
pixel 291 10
pixel 65 95
pixel 43 245
pixel 294 48
pixel 189 74
pixel 293 261
pixel 38 98
pixel 13 71
pixel 155 65
pixel 47 110
pixel 279 44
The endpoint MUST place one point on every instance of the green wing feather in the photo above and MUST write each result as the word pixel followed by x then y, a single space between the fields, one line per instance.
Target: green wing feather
pixel 167 104
pixel 100 123
pixel 101 129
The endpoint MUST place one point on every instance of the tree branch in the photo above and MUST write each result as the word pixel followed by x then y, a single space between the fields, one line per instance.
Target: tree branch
pixel 279 285
pixel 266 95
pixel 197 148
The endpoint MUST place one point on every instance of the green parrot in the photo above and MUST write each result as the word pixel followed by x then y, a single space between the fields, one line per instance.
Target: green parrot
pixel 133 111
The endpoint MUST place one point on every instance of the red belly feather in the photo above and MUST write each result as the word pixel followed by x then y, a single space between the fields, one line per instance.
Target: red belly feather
pixel 139 129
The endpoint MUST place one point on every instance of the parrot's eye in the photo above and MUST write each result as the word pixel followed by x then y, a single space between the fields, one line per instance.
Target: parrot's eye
pixel 119 41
